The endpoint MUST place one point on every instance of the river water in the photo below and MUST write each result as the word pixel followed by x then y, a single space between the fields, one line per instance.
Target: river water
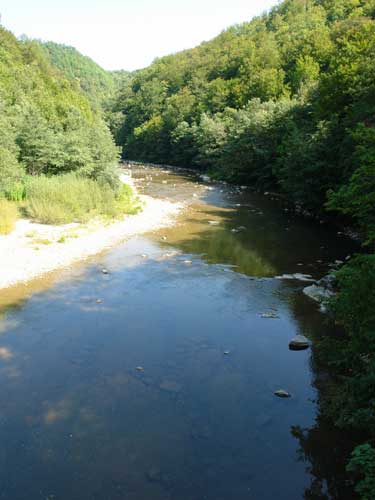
pixel 156 381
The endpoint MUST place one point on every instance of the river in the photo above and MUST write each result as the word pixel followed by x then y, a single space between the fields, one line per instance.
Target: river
pixel 156 380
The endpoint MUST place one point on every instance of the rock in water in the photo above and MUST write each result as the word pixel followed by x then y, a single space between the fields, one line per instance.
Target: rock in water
pixel 282 394
pixel 205 178
pixel 299 343
pixel 270 315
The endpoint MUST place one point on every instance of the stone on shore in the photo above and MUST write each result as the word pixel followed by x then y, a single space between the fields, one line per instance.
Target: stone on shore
pixel 318 293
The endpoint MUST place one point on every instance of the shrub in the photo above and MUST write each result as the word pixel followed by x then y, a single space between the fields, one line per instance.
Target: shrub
pixel 126 201
pixel 71 198
pixel 363 463
pixel 8 216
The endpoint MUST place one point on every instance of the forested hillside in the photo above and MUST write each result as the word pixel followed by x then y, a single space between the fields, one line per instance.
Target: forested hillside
pixel 96 83
pixel 285 102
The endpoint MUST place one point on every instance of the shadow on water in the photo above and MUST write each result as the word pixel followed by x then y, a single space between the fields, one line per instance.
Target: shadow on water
pixel 157 380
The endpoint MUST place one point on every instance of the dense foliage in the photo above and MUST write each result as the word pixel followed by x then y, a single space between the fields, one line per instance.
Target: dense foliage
pixel 48 126
pixel 351 398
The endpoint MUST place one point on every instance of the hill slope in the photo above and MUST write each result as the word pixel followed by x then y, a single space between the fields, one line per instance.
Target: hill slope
pixel 48 125
pixel 96 83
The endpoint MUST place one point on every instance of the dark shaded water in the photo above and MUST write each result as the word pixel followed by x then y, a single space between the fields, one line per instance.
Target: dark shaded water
pixel 78 420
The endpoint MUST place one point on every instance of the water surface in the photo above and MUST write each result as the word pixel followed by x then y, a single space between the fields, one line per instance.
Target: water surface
pixel 157 380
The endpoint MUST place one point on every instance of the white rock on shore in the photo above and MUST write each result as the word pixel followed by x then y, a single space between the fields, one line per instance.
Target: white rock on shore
pixel 318 293
pixel 32 250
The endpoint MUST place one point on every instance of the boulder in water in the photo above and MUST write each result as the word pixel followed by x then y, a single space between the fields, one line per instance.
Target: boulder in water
pixel 282 394
pixel 299 343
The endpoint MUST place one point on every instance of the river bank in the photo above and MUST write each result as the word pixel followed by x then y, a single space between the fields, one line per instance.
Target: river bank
pixel 32 249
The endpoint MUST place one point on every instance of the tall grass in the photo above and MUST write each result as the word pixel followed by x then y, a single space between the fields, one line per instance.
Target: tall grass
pixel 8 216
pixel 71 198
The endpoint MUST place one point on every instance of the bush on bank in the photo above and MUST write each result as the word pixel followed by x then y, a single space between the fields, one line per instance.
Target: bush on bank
pixel 71 198
pixel 351 401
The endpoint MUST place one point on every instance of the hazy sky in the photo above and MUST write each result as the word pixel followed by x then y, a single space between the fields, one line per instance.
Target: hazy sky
pixel 127 34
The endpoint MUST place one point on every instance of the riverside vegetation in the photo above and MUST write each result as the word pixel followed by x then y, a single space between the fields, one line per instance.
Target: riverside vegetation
pixel 58 161
pixel 285 102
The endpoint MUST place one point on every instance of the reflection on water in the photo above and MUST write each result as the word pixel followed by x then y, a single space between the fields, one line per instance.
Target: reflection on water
pixel 157 380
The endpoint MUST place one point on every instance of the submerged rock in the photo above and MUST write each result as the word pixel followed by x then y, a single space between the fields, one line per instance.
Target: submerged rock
pixel 263 420
pixel 282 394
pixel 201 432
pixel 299 343
pixel 154 474
pixel 170 386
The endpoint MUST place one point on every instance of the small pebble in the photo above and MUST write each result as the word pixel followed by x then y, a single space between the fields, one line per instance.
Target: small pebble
pixel 271 315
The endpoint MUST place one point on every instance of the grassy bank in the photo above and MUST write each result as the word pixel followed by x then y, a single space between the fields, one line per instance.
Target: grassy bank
pixel 70 198
pixel 63 199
